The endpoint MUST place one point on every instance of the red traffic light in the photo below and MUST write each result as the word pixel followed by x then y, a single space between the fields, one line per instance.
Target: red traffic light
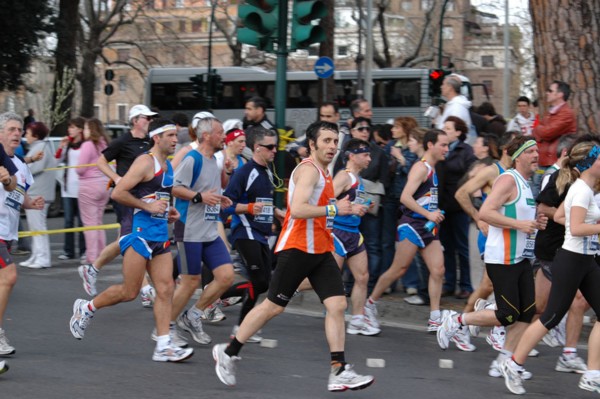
pixel 436 74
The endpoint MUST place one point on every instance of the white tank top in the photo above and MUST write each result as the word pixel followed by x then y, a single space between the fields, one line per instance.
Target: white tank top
pixel 509 246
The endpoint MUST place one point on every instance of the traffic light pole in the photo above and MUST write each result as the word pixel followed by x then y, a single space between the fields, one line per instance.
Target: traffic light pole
pixel 281 88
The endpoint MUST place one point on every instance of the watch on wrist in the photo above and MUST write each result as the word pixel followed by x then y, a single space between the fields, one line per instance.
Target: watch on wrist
pixel 197 198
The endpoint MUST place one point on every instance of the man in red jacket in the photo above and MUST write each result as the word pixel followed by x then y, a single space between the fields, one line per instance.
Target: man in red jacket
pixel 558 121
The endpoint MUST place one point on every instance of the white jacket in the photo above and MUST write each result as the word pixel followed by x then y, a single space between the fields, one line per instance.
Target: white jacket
pixel 521 124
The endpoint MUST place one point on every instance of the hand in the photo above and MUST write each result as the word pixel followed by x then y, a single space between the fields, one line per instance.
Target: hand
pixel 542 221
pixel 173 215
pixel 225 202
pixel 157 207
pixel 397 153
pixel 360 209
pixel 38 203
pixel 436 216
pixel 4 175
pixel 527 226
pixel 344 206
pixel 257 209
pixel 37 156
pixel 483 227
pixel 279 214
pixel 228 166
pixel 64 141
pixel 211 198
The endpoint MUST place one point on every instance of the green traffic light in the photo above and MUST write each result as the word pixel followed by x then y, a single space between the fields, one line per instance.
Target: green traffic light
pixel 304 33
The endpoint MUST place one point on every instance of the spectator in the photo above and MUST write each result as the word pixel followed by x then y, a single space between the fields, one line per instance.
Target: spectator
pixel 496 123
pixel 524 120
pixel 183 134
pixel 486 146
pixel 456 105
pixel 93 193
pixel 30 118
pixel 256 114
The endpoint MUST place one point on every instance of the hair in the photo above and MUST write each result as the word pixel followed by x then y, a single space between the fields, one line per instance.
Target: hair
pixel 491 142
pixel 358 120
pixel 38 130
pixel 158 123
pixel 333 104
pixel 313 131
pixel 384 131
pixel 9 116
pixel 97 131
pixel 354 144
pixel 486 108
pixel 256 134
pixel 459 125
pixel 524 99
pixel 507 138
pixel 355 105
pixel 77 122
pixel 418 133
pixel 563 88
pixel 568 173
pixel 516 143
pixel 181 119
pixel 565 142
pixel 454 82
pixel 406 122
pixel 431 136
pixel 258 102
pixel 205 125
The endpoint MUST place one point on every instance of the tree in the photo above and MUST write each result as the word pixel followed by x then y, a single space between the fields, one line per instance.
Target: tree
pixel 326 49
pixel 23 24
pixel 567 47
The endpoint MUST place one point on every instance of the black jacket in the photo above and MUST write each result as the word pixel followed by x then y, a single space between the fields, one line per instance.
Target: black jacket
pixel 450 172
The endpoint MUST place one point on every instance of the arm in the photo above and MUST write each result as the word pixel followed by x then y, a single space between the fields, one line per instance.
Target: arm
pixel 9 182
pixel 547 210
pixel 182 189
pixel 559 215
pixel 179 156
pixel 554 126
pixel 577 223
pixel 141 170
pixel 33 203
pixel 416 177
pixel 477 182
pixel 341 183
pixel 105 168
pixel 35 165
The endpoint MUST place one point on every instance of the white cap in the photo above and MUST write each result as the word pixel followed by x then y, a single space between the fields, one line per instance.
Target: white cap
pixel 140 109
pixel 200 115
pixel 232 124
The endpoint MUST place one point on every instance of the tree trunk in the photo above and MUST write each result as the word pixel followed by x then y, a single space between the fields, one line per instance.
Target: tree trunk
pixel 67 27
pixel 567 48
pixel 87 78
pixel 326 49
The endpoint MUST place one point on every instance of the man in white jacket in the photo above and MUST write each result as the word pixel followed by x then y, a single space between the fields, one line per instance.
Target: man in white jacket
pixel 456 105
pixel 524 120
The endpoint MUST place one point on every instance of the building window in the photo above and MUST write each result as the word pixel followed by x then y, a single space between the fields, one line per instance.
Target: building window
pixel 197 25
pixel 427 5
pixel 123 55
pixel 97 84
pixel 178 56
pixel 489 84
pixel 450 5
pixel 447 33
pixel 167 26
pixel 342 51
pixel 179 3
pixel 182 27
pixel 122 112
pixel 96 111
pixel 487 60
pixel 122 83
pixel 407 5
pixel 313 51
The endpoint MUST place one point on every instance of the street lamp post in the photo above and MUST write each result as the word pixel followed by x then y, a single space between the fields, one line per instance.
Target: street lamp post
pixel 209 76
pixel 441 42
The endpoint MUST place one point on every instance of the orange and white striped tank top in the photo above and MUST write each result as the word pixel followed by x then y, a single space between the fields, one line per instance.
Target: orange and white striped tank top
pixel 308 235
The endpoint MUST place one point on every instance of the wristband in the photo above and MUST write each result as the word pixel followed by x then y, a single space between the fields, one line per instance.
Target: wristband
pixel 251 208
pixel 197 198
pixel 330 210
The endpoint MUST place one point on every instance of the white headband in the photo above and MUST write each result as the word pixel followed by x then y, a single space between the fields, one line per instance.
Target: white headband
pixel 161 129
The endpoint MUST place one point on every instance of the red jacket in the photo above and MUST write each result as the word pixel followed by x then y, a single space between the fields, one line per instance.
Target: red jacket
pixel 548 132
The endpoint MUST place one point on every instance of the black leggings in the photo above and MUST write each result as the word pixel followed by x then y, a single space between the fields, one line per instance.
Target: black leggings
pixel 571 271
pixel 514 291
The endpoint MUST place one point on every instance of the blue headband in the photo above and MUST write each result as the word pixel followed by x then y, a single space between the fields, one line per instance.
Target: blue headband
pixel 589 159
pixel 359 150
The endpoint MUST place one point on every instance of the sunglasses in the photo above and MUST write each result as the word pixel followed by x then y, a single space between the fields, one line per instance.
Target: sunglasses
pixel 363 128
pixel 269 147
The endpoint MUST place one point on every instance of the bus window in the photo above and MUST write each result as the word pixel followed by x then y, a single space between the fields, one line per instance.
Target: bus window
pixel 302 94
pixel 397 93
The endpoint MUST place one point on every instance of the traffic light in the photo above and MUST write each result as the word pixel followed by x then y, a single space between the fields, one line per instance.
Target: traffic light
pixel 198 85
pixel 260 19
pixel 436 78
pixel 217 85
pixel 304 32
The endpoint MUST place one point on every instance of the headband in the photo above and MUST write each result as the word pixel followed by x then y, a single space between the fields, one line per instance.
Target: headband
pixel 234 134
pixel 359 150
pixel 162 129
pixel 526 145
pixel 589 159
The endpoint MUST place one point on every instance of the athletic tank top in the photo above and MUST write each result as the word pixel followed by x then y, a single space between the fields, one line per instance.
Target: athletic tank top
pixel 355 194
pixel 426 195
pixel 481 239
pixel 153 227
pixel 509 246
pixel 313 235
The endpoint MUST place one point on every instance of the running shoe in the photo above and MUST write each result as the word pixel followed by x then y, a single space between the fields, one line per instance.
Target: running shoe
pixel 5 347
pixel 462 339
pixel 3 367
pixel 561 331
pixel 480 304
pixel 254 339
pixel 347 378
pixel 414 300
pixel 589 383
pixel 512 377
pixel 570 364
pixel 213 313
pixel 364 328
pixel 447 328
pixel 370 312
pixel 89 276
pixel 176 338
pixel 148 294
pixel 65 257
pixel 495 372
pixel 533 353
pixel 551 338
pixel 231 301
pixel 434 324
pixel 172 354
pixel 81 318
pixel 224 364
pixel 496 337
pixel 194 327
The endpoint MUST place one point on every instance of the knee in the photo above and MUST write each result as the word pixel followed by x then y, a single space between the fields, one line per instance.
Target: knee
pixel 8 276
pixel 361 278
pixel 226 278
pixel 437 271
pixel 579 304
pixel 129 294
pixel 336 305
pixel 260 286
pixel 165 289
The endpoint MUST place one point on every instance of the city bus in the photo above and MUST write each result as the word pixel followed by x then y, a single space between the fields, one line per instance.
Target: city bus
pixel 396 92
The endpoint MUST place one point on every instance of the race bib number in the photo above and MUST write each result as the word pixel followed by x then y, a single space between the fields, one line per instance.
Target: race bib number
pixel 529 245
pixel 161 196
pixel 361 197
pixel 14 199
pixel 593 243
pixel 211 213
pixel 329 219
pixel 433 199
pixel 266 214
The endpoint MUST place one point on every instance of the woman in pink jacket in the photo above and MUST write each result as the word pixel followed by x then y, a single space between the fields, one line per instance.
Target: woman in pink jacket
pixel 93 193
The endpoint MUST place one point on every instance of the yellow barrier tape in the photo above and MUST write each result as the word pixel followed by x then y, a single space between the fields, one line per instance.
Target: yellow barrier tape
pixel 70 230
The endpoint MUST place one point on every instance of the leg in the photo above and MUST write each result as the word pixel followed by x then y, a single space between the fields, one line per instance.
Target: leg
pixel 184 291
pixel 161 272
pixel 434 259
pixel 257 260
pixel 8 279
pixel 257 318
pixel 110 252
pixel 370 227
pixel 224 276
pixel 484 290
pixel 575 320
pixel 405 252
pixel 359 269
pixel 334 322
pixel 594 348
pixel 69 215
pixel 461 240
pixel 449 254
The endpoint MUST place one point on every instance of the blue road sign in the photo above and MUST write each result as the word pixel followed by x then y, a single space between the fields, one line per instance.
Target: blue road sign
pixel 324 67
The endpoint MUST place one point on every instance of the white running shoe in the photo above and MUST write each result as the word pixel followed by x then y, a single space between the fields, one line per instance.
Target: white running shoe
pixel 434 324
pixel 340 380
pixel 213 313
pixel 89 277
pixel 81 318
pixel 480 304
pixel 224 364
pixel 496 337
pixel 551 338
pixel 447 329
pixel 364 328
pixel 5 347
pixel 231 301
pixel 3 367
pixel 370 312
pixel 570 364
pixel 254 339
pixel 172 354
pixel 512 377
pixel 148 295
pixel 174 336
pixel 194 327
pixel 462 339
pixel 495 372
pixel 589 384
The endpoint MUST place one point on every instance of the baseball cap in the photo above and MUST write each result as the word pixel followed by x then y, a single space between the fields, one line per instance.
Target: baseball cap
pixel 199 116
pixel 140 109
